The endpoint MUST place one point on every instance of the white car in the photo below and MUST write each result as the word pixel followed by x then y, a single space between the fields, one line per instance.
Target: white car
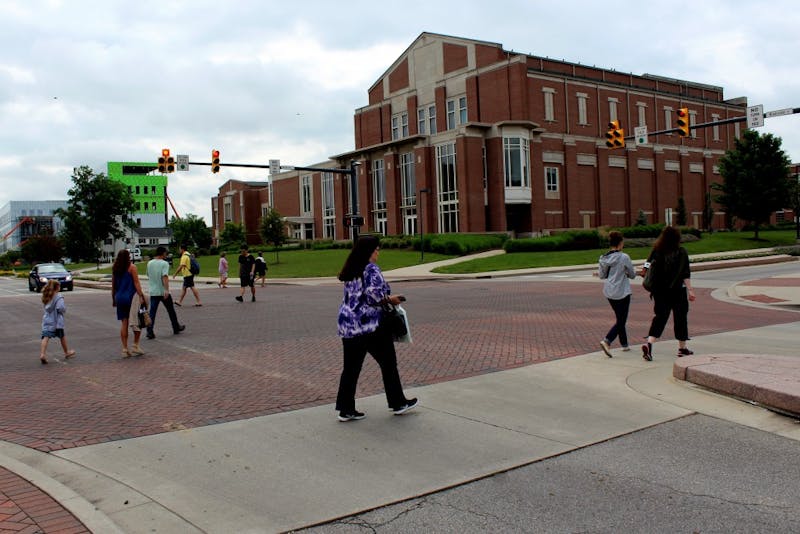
pixel 136 254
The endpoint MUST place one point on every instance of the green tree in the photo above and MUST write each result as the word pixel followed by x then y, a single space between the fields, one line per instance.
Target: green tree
pixel 191 230
pixel 41 248
pixel 273 230
pixel 641 219
pixel 98 208
pixel 232 235
pixel 680 212
pixel 755 178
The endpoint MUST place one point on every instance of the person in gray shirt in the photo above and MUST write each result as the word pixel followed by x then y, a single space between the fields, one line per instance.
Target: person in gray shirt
pixel 616 270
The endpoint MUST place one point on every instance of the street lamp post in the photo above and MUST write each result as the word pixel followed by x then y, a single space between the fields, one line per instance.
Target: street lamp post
pixel 421 222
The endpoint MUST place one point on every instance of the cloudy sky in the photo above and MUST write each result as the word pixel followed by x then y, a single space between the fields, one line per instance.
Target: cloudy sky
pixel 84 82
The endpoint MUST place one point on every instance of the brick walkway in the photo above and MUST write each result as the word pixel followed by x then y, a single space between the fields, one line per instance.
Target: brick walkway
pixel 281 353
pixel 25 509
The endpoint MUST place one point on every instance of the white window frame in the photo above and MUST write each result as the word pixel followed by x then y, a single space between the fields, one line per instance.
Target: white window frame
pixel 692 122
pixel 462 110
pixel 715 128
pixel 447 190
pixel 306 201
pixel 408 193
pixel 583 99
pixel 642 112
pixel 668 118
pixel 432 120
pixel 516 159
pixel 328 206
pixel 379 212
pixel 451 114
pixel 551 180
pixel 549 109
pixel 612 108
pixel 421 121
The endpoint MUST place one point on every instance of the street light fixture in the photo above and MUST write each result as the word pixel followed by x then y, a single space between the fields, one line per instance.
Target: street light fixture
pixel 421 222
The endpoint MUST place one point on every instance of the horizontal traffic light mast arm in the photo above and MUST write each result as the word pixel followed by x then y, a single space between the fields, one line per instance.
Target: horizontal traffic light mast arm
pixel 283 167
pixel 712 123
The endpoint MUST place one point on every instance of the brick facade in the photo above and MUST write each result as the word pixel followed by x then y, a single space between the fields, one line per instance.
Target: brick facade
pixel 518 146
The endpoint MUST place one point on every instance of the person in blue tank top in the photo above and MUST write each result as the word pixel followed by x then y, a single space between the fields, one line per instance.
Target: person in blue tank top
pixel 124 286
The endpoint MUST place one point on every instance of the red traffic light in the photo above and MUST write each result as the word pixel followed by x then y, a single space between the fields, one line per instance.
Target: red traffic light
pixel 215 161
pixel 683 121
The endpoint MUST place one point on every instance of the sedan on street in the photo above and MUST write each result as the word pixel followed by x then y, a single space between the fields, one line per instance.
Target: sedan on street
pixel 43 272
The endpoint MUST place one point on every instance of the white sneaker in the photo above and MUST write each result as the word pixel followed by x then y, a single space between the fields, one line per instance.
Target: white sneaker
pixel 606 348
pixel 406 407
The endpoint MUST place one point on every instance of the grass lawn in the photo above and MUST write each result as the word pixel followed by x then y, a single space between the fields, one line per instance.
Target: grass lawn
pixel 717 242
pixel 299 263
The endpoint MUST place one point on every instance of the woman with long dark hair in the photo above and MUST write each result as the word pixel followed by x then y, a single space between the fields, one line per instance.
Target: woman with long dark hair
pixel 361 329
pixel 672 290
pixel 124 285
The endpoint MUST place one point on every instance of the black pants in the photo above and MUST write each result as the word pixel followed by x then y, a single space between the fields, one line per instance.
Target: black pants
pixel 380 345
pixel 169 305
pixel 620 307
pixel 676 302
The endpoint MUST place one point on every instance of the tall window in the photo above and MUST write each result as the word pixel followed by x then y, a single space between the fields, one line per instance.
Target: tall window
pixel 305 194
pixel 400 125
pixel 612 109
pixel 551 179
pixel 668 118
pixel 582 114
pixel 515 151
pixel 421 121
pixel 549 111
pixel 692 122
pixel 451 114
pixel 715 128
pixel 641 107
pixel 432 120
pixel 408 193
pixel 328 207
pixel 448 187
pixel 379 196
pixel 227 209
pixel 456 112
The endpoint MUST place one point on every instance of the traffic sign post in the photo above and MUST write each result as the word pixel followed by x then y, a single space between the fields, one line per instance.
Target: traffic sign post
pixel 640 135
pixel 755 116
pixel 274 166
pixel 182 162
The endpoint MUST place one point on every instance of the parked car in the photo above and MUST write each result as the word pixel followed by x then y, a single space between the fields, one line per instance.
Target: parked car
pixel 43 272
pixel 136 254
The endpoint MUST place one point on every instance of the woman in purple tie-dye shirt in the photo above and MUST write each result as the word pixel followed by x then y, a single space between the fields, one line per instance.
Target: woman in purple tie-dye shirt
pixel 365 294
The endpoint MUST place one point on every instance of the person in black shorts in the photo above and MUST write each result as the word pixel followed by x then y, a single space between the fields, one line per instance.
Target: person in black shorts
pixel 261 268
pixel 247 274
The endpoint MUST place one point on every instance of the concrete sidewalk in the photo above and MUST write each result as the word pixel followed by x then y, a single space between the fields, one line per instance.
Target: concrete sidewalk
pixel 246 476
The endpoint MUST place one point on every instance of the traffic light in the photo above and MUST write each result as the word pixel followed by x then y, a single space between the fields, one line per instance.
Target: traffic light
pixel 162 161
pixel 170 163
pixel 215 160
pixel 615 136
pixel 683 122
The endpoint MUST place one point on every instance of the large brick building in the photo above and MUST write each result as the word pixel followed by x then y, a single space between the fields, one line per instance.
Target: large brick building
pixel 502 141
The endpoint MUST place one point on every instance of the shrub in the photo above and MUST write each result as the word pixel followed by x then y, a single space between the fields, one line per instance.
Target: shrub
pixel 461 244
pixel 572 240
pixel 646 230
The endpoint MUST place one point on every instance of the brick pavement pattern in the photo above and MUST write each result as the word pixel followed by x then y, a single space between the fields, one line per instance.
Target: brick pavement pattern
pixel 25 509
pixel 280 353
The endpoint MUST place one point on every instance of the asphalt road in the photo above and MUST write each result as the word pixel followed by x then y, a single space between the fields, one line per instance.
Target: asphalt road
pixel 696 474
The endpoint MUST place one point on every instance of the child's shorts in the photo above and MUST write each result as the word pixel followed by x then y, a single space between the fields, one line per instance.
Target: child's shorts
pixel 58 332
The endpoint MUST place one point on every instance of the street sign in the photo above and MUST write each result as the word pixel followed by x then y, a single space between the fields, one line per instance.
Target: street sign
pixel 755 116
pixel 640 135
pixel 274 166
pixel 780 112
pixel 182 162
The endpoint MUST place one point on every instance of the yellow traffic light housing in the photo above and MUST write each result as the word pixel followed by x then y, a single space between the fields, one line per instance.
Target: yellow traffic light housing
pixel 162 161
pixel 615 136
pixel 215 161
pixel 683 121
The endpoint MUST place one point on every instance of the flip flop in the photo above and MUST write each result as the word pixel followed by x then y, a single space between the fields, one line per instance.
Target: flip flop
pixel 198 304
pixel 69 355
pixel 178 304
pixel 43 361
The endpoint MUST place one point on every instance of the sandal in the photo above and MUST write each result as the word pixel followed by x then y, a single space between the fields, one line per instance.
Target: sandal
pixel 69 355
pixel 126 353
pixel 43 361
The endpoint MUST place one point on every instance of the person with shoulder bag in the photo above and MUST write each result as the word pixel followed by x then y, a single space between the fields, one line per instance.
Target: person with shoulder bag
pixel 363 330
pixel 671 290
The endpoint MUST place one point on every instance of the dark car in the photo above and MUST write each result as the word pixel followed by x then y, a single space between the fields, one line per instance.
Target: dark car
pixel 49 271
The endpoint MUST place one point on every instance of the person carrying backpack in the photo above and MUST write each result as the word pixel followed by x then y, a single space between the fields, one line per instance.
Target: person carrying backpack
pixel 185 268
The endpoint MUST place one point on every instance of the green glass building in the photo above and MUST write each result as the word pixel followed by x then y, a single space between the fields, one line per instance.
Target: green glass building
pixel 148 190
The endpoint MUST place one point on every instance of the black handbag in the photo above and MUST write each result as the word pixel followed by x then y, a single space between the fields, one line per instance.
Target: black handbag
pixel 394 321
